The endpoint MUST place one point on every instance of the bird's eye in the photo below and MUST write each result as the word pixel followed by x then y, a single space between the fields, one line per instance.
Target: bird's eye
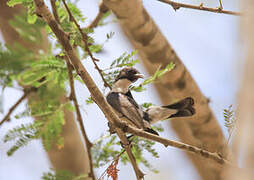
pixel 132 71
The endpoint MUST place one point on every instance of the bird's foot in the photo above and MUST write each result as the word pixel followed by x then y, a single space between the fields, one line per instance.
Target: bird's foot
pixel 111 128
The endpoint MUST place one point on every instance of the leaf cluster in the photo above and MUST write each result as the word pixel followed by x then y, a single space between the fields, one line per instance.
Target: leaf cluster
pixel 12 62
pixel 229 120
pixel 45 69
pixel 158 74
pixel 107 148
pixel 22 135
pixel 48 74
pixel 62 175
pixel 125 60
pixel 31 16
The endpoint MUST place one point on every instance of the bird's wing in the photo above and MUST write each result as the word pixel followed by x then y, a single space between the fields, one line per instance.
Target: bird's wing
pixel 130 95
pixel 127 107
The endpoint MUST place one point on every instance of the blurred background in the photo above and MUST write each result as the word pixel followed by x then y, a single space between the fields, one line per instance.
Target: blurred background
pixel 207 43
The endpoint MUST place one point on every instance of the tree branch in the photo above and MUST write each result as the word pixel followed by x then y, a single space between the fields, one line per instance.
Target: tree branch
pixel 79 118
pixel 177 6
pixel 102 10
pixel 189 148
pixel 43 11
pixel 26 93
pixel 85 38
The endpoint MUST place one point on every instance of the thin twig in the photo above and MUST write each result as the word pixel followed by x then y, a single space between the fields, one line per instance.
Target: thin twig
pixel 189 148
pixel 177 6
pixel 43 11
pixel 26 93
pixel 85 40
pixel 79 117
pixel 102 10
pixel 221 7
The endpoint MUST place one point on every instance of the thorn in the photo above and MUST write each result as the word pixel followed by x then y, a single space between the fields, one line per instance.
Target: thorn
pixel 111 128
pixel 176 7
pixel 71 19
pixel 219 9
pixel 201 5
pixel 96 59
pixel 71 97
pixel 126 145
pixel 38 14
pixel 208 100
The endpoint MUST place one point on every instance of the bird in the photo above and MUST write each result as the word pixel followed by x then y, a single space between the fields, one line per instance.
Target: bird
pixel 121 100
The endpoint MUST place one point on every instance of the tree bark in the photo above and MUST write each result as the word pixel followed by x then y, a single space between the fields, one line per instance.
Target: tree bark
pixel 243 144
pixel 201 130
pixel 73 156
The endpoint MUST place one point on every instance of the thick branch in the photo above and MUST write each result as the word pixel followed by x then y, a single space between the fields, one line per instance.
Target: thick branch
pixel 21 99
pixel 177 6
pixel 85 40
pixel 43 11
pixel 189 148
pixel 79 118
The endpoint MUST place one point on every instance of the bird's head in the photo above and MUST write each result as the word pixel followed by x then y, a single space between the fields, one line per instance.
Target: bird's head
pixel 130 74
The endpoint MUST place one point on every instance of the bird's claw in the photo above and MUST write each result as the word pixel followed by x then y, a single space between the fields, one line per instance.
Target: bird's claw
pixel 111 128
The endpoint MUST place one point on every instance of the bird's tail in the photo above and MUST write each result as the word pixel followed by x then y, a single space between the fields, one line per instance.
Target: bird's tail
pixel 150 130
pixel 184 108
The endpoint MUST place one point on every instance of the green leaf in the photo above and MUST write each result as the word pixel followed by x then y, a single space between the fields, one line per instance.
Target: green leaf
pixel 159 73
pixel 95 48
pixel 58 175
pixel 12 3
pixel 146 105
pixel 22 135
pixel 89 101
pixel 31 18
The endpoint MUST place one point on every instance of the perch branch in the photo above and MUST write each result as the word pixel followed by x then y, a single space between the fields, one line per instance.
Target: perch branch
pixel 177 6
pixel 189 148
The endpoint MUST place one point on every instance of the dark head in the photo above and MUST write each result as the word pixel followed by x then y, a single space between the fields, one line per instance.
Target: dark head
pixel 129 73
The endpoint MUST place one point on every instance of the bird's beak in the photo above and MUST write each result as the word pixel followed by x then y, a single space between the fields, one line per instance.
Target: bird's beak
pixel 139 76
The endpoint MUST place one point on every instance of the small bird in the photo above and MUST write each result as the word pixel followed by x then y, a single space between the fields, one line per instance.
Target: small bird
pixel 122 101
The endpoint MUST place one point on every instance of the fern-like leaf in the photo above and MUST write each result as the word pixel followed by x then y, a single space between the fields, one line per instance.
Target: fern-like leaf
pixel 22 135
pixel 229 121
